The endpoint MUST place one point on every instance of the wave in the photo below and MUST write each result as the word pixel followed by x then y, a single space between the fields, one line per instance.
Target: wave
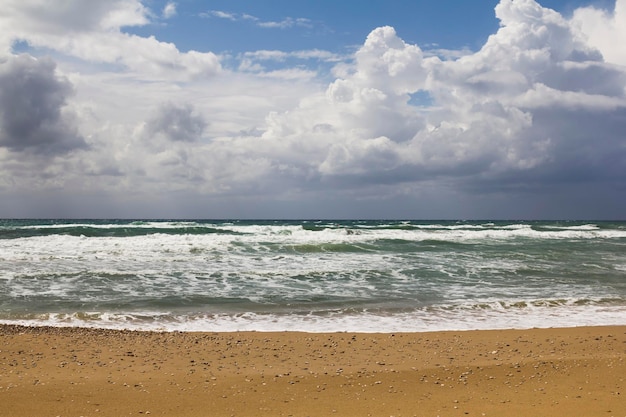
pixel 84 230
pixel 478 316
pixel 305 232
pixel 329 248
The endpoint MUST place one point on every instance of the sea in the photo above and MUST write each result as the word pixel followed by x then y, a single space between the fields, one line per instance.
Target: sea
pixel 312 275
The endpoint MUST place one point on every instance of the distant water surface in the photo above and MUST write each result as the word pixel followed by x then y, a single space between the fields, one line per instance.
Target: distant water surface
pixel 375 276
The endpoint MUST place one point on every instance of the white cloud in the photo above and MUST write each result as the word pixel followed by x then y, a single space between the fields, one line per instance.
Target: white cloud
pixel 220 14
pixel 287 22
pixel 605 30
pixel 447 54
pixel 488 115
pixel 289 74
pixel 169 10
pixel 258 61
pixel 276 55
pixel 92 31
pixel 73 16
pixel 341 130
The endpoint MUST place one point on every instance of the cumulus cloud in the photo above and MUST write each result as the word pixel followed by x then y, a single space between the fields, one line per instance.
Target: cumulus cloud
pixel 507 113
pixel 361 126
pixel 72 16
pixel 176 123
pixel 494 101
pixel 364 113
pixel 605 30
pixel 92 31
pixel 32 98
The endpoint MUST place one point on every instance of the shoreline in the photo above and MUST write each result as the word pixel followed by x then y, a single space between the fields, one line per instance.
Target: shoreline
pixel 62 371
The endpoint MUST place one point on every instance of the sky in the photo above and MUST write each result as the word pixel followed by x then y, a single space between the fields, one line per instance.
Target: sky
pixel 412 109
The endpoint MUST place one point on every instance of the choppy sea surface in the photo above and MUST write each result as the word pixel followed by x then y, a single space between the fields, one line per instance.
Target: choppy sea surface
pixel 317 276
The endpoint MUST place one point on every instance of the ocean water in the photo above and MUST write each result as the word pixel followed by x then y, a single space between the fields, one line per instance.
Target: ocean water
pixel 374 276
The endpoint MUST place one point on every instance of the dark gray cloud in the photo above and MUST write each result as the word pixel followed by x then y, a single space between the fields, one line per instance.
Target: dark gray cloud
pixel 586 145
pixel 176 123
pixel 31 99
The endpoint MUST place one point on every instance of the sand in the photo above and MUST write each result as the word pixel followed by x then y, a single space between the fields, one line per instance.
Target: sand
pixel 93 372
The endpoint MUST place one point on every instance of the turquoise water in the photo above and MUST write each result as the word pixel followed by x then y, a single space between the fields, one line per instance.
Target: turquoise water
pixel 312 275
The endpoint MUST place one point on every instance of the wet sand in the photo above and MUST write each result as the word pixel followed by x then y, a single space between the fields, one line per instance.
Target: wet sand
pixel 94 372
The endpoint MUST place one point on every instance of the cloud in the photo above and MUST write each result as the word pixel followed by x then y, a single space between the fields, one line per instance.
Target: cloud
pixel 72 16
pixel 169 10
pixel 222 15
pixel 92 31
pixel 538 111
pixel 605 30
pixel 176 123
pixel 288 22
pixel 274 63
pixel 32 99
pixel 275 55
pixel 506 114
pixel 285 23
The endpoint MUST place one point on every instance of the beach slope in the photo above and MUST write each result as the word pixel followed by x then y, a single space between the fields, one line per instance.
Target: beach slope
pixel 95 372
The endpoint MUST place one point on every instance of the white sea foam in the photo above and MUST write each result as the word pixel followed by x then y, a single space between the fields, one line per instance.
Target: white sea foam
pixel 532 316
pixel 255 237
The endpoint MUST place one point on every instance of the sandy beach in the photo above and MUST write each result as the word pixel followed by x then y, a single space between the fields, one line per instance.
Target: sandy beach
pixel 94 372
